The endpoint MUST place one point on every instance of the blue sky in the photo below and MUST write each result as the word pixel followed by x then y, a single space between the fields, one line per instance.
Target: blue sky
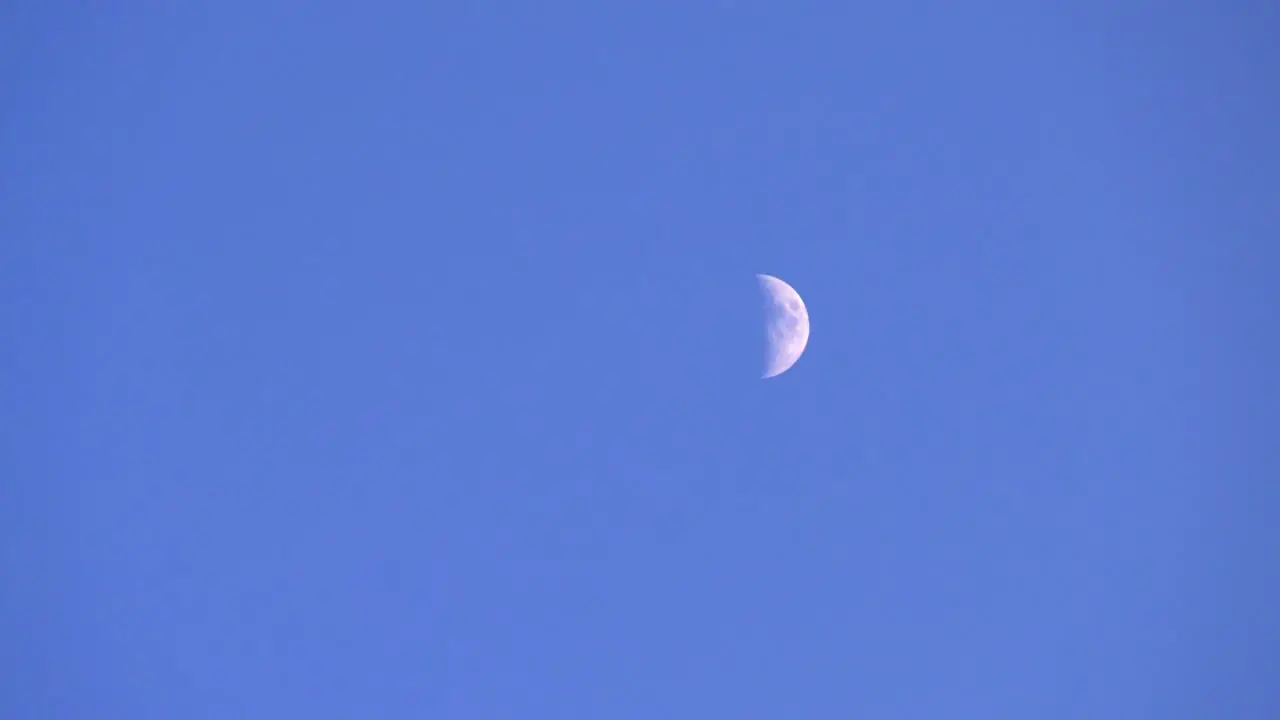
pixel 401 360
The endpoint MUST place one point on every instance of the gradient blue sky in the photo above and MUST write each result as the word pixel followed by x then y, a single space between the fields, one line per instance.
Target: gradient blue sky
pixel 399 360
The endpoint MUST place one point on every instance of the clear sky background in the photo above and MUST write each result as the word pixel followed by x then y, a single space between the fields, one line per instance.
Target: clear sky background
pixel 400 360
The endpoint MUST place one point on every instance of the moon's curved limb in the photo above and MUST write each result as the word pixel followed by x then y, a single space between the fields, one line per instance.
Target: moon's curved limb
pixel 787 325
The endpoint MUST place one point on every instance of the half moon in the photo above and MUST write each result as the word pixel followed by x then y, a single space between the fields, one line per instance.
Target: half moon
pixel 786 325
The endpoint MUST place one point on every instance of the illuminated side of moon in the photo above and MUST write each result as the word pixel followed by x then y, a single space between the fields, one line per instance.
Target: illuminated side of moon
pixel 786 325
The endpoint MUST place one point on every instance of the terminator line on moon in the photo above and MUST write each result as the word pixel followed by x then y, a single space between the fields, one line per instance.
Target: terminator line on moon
pixel 787 325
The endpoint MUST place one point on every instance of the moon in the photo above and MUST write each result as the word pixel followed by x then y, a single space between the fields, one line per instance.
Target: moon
pixel 786 325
